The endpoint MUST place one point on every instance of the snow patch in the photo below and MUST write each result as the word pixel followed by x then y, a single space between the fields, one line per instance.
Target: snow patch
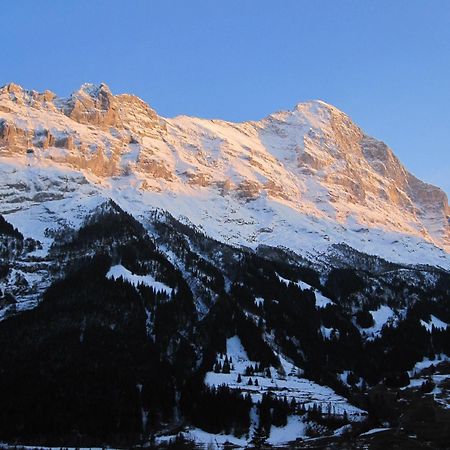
pixel 375 431
pixel 321 300
pixel 382 316
pixel 118 271
pixel 281 383
pixel 434 322
pixel 294 429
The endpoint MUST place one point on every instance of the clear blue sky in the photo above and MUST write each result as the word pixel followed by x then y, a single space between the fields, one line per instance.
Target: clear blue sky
pixel 385 63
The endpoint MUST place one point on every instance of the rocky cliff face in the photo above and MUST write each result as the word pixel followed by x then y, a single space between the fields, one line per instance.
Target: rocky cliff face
pixel 310 172
pixel 92 105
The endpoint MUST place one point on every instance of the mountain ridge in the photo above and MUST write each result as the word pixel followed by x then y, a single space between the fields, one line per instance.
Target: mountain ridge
pixel 294 171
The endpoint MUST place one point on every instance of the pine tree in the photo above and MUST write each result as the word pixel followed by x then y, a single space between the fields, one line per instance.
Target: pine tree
pixel 239 379
pixel 259 438
pixel 363 386
pixel 249 371
pixel 293 405
pixel 260 321
pixel 226 367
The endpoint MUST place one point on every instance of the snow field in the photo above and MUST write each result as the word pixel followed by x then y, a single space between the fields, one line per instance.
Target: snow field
pixel 287 384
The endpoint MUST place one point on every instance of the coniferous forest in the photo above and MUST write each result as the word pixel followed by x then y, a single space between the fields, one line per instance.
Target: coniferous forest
pixel 102 361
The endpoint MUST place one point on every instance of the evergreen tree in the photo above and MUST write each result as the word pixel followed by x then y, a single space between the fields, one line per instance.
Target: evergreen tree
pixel 259 438
pixel 293 405
pixel 226 367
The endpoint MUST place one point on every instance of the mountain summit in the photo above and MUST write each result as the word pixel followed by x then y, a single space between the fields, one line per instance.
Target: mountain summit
pixel 302 179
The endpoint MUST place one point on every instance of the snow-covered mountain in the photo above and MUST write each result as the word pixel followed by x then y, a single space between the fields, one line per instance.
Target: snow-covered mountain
pixel 303 179
pixel 246 284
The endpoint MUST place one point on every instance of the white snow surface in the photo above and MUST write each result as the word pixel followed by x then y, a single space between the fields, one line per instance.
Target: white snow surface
pixel 295 428
pixel 119 271
pixel 321 300
pixel 427 362
pixel 215 440
pixel 434 322
pixel 327 332
pixel 374 431
pixel 419 375
pixel 381 316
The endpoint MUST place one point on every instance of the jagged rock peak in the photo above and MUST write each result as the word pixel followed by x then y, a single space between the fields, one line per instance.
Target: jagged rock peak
pixel 18 94
pixel 95 104
pixel 94 90
pixel 11 88
pixel 92 104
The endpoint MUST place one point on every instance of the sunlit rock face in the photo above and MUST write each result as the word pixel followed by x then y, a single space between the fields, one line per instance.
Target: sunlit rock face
pixel 93 105
pixel 310 173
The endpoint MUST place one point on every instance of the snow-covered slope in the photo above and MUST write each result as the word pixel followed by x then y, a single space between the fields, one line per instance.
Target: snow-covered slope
pixel 303 179
pixel 287 384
